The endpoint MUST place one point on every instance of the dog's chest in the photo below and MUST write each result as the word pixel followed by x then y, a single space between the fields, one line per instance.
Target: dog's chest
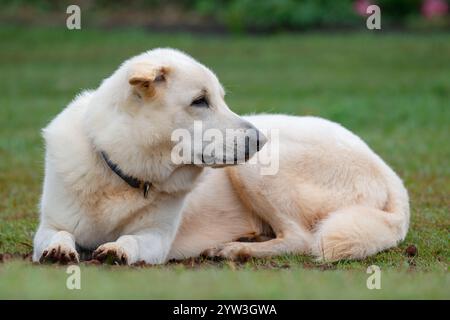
pixel 108 212
pixel 114 209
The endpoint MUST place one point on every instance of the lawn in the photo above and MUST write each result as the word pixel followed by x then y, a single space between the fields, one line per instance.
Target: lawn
pixel 391 89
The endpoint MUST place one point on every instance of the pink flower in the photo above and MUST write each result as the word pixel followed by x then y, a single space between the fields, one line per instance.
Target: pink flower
pixel 434 8
pixel 360 7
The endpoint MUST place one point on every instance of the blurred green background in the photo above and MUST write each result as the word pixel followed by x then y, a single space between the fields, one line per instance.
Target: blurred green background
pixel 238 16
pixel 391 87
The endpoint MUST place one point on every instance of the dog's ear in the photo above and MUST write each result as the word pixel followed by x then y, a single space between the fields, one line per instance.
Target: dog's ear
pixel 145 78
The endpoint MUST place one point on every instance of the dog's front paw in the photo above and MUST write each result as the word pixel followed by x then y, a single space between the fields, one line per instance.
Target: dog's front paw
pixel 59 253
pixel 111 253
pixel 231 251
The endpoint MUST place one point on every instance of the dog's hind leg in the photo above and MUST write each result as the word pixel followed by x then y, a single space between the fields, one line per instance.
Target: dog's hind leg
pixel 276 210
pixel 290 238
pixel 53 246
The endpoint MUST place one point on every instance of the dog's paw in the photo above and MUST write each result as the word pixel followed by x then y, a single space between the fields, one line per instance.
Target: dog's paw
pixel 111 253
pixel 231 251
pixel 59 253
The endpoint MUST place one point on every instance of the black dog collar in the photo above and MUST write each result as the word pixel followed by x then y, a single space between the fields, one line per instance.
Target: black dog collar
pixel 132 181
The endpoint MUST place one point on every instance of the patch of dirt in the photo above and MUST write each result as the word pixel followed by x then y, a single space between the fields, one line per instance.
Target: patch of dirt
pixel 4 257
pixel 196 263
pixel 92 262
pixel 192 263
pixel 321 266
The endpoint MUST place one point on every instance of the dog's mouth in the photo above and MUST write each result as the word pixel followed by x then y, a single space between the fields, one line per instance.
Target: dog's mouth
pixel 213 162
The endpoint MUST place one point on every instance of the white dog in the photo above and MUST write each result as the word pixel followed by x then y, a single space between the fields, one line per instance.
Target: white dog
pixel 112 186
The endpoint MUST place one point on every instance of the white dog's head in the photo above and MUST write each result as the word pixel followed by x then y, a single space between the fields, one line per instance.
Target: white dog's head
pixel 164 91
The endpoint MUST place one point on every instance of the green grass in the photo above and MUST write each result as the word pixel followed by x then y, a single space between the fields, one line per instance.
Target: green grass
pixel 393 90
pixel 179 283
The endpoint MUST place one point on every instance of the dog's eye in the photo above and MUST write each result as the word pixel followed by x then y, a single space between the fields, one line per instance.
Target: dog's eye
pixel 200 102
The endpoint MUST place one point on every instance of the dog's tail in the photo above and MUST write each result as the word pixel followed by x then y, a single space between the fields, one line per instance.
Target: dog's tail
pixel 356 232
